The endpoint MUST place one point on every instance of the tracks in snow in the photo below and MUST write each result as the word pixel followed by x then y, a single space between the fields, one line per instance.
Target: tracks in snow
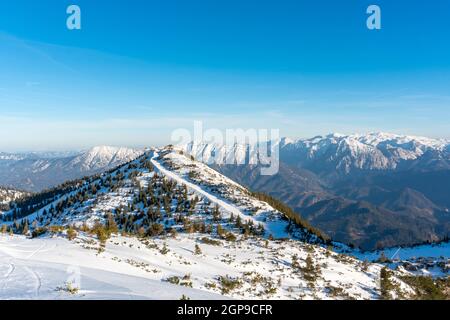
pixel 19 269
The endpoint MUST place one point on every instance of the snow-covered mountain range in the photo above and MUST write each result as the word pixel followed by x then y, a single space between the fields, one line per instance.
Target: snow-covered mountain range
pixel 166 226
pixel 376 189
pixel 374 151
pixel 341 153
pixel 36 171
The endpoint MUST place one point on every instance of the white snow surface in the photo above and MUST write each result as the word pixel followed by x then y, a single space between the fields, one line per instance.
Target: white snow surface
pixel 7 195
pixel 42 268
pixel 103 157
pixel 405 253
pixel 132 269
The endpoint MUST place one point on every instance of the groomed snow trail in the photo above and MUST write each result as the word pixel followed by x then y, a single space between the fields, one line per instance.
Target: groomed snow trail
pixel 221 203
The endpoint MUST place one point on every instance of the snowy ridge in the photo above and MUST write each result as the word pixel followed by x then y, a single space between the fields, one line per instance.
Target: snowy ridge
pixel 373 151
pixel 38 171
pixel 8 195
pixel 234 199
pixel 103 157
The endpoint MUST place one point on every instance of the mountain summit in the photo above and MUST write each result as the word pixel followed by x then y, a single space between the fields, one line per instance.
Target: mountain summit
pixel 35 171
pixel 373 151
pixel 337 152
pixel 103 157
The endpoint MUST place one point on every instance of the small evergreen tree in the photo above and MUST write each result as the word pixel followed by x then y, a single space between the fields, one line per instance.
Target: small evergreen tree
pixel 111 224
pixel 71 233
pixel 385 284
pixel 197 251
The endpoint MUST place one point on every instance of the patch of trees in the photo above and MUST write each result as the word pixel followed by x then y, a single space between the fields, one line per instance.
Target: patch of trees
pixel 37 201
pixel 386 285
pixel 427 288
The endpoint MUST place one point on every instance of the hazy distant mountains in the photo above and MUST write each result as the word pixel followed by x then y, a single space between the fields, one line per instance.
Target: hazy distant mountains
pixel 372 190
pixel 37 171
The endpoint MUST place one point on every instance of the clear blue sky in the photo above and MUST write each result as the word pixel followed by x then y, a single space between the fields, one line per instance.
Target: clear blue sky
pixel 139 69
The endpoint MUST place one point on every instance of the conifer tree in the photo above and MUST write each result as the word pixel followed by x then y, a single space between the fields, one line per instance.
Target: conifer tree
pixel 111 224
pixel 71 233
pixel 197 251
pixel 25 227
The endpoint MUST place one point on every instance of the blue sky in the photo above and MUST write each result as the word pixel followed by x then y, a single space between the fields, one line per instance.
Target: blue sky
pixel 140 69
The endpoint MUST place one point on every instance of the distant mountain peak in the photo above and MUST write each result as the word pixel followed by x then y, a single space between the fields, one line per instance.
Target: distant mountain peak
pixel 35 171
pixel 104 156
pixel 338 152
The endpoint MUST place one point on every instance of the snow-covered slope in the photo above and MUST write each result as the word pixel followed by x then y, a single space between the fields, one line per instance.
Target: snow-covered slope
pixel 48 268
pixel 130 268
pixel 99 158
pixel 36 171
pixel 94 159
pixel 373 151
pixel 7 195
pixel 185 230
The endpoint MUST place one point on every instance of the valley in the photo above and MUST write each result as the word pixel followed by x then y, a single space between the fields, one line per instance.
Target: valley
pixel 372 191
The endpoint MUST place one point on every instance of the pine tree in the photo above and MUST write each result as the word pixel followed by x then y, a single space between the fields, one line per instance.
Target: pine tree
pixel 111 224
pixel 385 284
pixel 238 222
pixel 295 265
pixel 164 249
pixel 197 251
pixel 71 233
pixel 25 227
pixel 219 230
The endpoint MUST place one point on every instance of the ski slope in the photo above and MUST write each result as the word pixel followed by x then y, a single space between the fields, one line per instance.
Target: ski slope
pixel 41 268
pixel 130 268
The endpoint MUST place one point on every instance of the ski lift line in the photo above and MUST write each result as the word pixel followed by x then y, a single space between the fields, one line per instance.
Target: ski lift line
pixel 396 252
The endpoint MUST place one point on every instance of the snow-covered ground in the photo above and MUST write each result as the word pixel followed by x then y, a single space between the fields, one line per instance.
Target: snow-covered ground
pixel 43 268
pixel 7 195
pixel 429 259
pixel 441 250
pixel 130 268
